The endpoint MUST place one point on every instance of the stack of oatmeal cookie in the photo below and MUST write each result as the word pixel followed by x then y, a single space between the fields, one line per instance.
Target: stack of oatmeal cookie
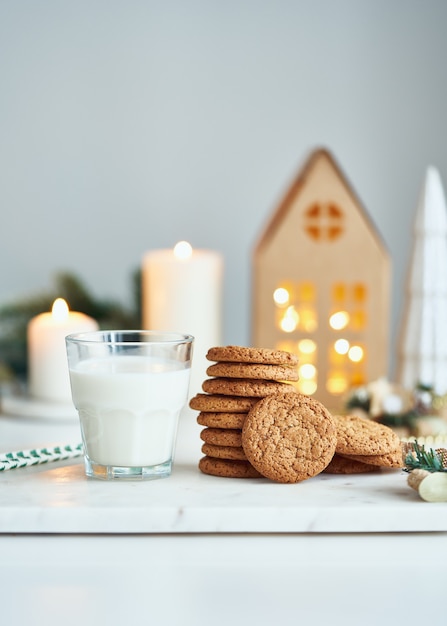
pixel 256 423
pixel 239 378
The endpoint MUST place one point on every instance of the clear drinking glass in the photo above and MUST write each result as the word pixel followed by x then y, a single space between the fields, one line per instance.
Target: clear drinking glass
pixel 129 388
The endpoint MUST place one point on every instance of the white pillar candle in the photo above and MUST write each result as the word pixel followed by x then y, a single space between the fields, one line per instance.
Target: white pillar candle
pixel 182 292
pixel 48 377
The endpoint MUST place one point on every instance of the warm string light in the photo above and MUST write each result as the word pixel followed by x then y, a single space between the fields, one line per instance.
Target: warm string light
pixel 307 371
pixel 356 354
pixel 341 346
pixel 281 296
pixel 339 320
pixel 337 384
pixel 290 320
pixel 307 346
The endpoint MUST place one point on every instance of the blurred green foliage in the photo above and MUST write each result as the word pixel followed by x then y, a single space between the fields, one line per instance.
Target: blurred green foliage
pixel 14 317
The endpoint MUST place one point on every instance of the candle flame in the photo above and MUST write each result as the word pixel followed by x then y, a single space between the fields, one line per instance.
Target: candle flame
pixel 182 250
pixel 59 310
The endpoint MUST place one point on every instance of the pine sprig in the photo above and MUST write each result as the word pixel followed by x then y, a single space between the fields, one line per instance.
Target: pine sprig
pixel 420 458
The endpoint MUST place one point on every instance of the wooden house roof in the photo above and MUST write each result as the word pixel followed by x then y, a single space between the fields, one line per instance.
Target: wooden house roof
pixel 298 185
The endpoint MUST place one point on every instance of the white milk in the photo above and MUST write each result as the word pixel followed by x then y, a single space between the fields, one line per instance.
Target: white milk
pixel 128 409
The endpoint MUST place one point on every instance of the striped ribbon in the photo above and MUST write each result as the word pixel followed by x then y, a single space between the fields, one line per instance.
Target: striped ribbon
pixel 27 458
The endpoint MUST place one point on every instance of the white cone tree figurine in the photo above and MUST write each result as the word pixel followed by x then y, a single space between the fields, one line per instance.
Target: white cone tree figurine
pixel 423 347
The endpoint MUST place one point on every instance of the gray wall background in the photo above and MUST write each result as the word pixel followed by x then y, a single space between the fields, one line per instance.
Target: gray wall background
pixel 128 125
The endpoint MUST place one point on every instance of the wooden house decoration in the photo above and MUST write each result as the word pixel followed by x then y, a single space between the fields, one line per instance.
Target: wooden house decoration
pixel 321 284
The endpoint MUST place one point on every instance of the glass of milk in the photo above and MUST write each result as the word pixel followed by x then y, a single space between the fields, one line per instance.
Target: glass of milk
pixel 129 387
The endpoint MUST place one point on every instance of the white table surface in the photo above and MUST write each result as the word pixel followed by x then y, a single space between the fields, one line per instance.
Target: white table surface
pixel 193 549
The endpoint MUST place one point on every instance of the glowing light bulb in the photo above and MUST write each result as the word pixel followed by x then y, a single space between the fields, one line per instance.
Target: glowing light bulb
pixel 307 386
pixel 337 384
pixel 339 320
pixel 310 325
pixel 281 296
pixel 182 250
pixel 355 353
pixel 59 310
pixel 307 371
pixel 341 346
pixel 288 325
pixel 307 346
pixel 290 320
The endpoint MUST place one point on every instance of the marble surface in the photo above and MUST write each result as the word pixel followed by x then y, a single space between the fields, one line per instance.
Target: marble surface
pixel 58 498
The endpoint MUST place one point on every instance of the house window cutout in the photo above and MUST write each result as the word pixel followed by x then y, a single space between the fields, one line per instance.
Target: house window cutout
pixel 347 320
pixel 337 382
pixel 358 320
pixel 324 221
pixel 306 350
pixel 349 305
pixel 339 292
pixel 295 307
pixel 347 365
pixel 359 292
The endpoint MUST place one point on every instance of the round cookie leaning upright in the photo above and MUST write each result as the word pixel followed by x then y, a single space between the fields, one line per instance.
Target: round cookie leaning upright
pixel 289 437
